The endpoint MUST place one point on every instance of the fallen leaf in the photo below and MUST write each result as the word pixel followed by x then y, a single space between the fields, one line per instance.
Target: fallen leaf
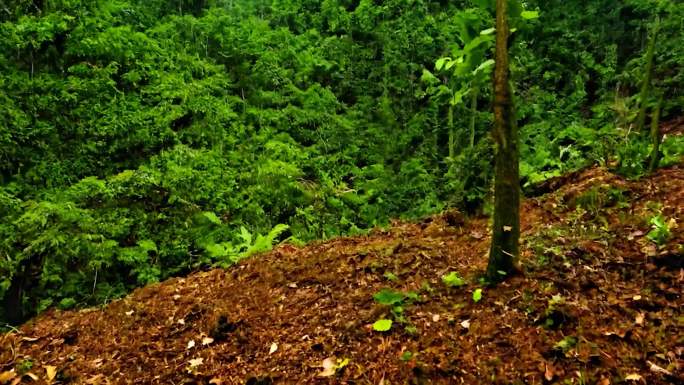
pixel 191 344
pixel 649 250
pixel 176 297
pixel 639 319
pixel 636 297
pixel 435 318
pixel 329 367
pixel 95 380
pixel 195 362
pixel 633 377
pixel 274 348
pixel 548 372
pixel 603 381
pixel 215 381
pixel 507 229
pixel 50 372
pixel 32 376
pixel 7 376
pixel 657 369
pixel 465 324
pixel 130 312
pixel 207 340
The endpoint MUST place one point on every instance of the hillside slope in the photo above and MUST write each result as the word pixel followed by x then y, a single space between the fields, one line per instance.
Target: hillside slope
pixel 597 302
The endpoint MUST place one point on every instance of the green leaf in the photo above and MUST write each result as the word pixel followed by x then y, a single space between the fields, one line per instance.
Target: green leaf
pixel 488 31
pixel 457 98
pixel 453 280
pixel 147 245
pixel 440 63
pixel 211 217
pixel 428 77
pixel 566 344
pixel 528 15
pixel 389 297
pixel 382 325
pixel 477 295
pixel 484 66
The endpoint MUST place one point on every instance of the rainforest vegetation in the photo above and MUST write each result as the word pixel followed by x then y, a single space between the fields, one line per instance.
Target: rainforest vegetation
pixel 145 139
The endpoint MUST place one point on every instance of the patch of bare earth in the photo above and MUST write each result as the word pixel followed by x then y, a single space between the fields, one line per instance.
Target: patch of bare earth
pixel 597 302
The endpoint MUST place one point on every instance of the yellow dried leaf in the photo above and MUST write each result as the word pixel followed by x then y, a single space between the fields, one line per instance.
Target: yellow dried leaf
pixel 7 376
pixel 50 372
pixel 634 377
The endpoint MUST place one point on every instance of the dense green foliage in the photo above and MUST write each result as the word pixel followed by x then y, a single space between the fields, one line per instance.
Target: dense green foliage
pixel 141 139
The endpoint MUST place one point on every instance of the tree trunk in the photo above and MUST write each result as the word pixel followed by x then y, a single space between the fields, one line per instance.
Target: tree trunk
pixel 503 253
pixel 656 137
pixel 646 82
pixel 473 112
pixel 452 134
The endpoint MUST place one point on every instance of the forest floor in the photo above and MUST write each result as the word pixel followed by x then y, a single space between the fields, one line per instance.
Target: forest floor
pixel 597 301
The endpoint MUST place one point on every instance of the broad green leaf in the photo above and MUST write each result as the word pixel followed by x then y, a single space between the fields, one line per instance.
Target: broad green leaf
pixel 457 98
pixel 428 77
pixel 488 31
pixel 528 15
pixel 382 325
pixel 484 66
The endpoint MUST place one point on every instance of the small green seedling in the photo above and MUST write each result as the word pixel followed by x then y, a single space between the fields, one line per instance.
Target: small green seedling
pixel 382 325
pixel 453 280
pixel 660 232
pixel 390 276
pixel 566 344
pixel 389 297
pixel 477 295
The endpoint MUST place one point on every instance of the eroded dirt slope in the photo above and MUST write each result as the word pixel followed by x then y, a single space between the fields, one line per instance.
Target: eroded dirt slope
pixel 597 302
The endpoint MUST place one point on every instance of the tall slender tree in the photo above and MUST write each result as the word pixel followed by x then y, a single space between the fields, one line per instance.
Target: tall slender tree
pixel 648 73
pixel 503 253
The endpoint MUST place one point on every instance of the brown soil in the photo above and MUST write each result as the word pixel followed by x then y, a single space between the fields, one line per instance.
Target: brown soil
pixel 596 302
